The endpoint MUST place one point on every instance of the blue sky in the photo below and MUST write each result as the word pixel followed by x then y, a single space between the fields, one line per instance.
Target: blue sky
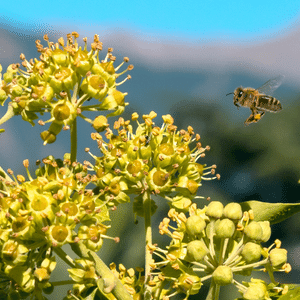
pixel 190 19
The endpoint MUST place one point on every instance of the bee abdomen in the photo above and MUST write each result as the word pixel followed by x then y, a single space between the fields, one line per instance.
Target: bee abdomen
pixel 268 103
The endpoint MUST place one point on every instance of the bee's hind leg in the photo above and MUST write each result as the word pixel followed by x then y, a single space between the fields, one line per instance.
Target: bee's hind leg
pixel 254 117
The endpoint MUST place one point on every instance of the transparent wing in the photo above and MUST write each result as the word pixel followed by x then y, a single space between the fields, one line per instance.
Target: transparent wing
pixel 270 86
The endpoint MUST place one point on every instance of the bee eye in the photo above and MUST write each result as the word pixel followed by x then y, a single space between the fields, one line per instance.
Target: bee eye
pixel 240 93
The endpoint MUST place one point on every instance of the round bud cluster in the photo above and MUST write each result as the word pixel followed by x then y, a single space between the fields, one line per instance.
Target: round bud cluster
pixel 217 243
pixel 159 160
pixel 60 82
pixel 39 215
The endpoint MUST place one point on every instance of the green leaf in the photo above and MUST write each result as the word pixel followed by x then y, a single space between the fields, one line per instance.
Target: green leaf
pixel 92 295
pixel 272 212
pixel 293 293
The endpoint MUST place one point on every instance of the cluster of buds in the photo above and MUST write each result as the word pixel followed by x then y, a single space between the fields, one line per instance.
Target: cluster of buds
pixel 39 215
pixel 159 160
pixel 65 77
pixel 216 243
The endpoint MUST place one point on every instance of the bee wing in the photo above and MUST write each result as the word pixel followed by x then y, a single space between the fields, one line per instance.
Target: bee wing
pixel 271 85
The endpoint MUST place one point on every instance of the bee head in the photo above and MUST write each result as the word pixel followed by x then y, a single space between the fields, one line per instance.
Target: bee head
pixel 237 95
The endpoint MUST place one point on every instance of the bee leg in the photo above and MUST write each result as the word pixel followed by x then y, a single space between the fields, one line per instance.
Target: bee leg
pixel 254 117
pixel 250 120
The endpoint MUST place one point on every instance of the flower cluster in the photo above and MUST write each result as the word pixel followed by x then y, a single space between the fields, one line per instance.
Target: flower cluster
pixel 46 84
pixel 160 160
pixel 39 215
pixel 216 243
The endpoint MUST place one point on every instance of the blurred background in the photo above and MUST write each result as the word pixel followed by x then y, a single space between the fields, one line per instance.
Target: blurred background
pixel 187 57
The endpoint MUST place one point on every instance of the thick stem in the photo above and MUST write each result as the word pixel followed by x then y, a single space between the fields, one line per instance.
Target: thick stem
pixel 213 293
pixel 148 241
pixel 74 141
pixel 62 254
pixel 118 290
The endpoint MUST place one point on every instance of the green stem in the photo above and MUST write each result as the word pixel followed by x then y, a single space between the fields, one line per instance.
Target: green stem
pixel 148 241
pixel 74 141
pixel 6 176
pixel 62 282
pixel 62 254
pixel 214 291
pixel 118 290
pixel 9 114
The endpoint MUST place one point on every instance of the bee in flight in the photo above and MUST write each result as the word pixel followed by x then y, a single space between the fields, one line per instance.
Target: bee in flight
pixel 258 100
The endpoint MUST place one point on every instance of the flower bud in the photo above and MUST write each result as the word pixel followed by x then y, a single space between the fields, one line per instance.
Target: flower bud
pixel 253 231
pixel 251 252
pixel 3 97
pixel 257 290
pixel 195 225
pixel 265 225
pixel 16 91
pixel 222 275
pixel 100 123
pixel 233 211
pixel 8 77
pixel 225 229
pixel 61 112
pixel 196 250
pixel 278 257
pixel 48 137
pixel 214 209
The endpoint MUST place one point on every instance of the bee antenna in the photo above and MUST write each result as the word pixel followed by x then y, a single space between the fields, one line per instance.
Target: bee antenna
pixel 229 94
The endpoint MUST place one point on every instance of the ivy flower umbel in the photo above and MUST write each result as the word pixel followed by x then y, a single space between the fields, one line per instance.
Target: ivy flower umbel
pixel 216 243
pixel 41 214
pixel 60 82
pixel 162 160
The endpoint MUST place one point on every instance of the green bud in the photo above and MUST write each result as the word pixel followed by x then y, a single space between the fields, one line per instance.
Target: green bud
pixel 225 229
pixel 251 252
pixel 8 77
pixel 16 91
pixel 257 290
pixel 61 112
pixel 195 225
pixel 55 127
pixel 222 275
pixel 3 96
pixel 100 123
pixel 215 209
pixel 278 257
pixel 196 250
pixel 253 231
pixel 48 137
pixel 233 211
pixel 48 288
pixel 265 225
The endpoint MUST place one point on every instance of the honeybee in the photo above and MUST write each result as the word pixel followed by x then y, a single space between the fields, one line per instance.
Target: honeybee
pixel 258 100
